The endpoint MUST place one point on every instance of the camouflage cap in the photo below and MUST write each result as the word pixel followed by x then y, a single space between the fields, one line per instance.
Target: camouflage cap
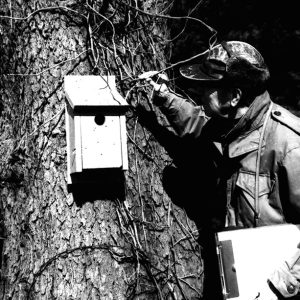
pixel 219 61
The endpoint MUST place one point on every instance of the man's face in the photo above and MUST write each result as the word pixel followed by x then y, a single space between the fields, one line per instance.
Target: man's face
pixel 215 100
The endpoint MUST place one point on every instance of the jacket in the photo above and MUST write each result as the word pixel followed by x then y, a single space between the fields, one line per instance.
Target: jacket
pixel 258 162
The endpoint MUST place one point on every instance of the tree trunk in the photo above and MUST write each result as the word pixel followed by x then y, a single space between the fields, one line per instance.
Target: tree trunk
pixel 133 245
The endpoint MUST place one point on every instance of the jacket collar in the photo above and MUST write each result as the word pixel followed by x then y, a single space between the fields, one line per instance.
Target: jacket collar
pixel 244 137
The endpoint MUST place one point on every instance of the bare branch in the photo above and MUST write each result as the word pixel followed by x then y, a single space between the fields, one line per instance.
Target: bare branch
pixel 212 30
pixel 52 67
pixel 44 9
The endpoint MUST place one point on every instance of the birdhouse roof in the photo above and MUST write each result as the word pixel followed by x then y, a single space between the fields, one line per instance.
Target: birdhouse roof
pixel 91 91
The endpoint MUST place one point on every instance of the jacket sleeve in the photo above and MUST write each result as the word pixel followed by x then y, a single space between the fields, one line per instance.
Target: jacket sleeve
pixel 184 116
pixel 286 278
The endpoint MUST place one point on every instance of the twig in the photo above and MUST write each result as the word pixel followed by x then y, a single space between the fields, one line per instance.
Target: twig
pixel 61 254
pixel 38 128
pixel 52 67
pixel 185 24
pixel 191 287
pixel 139 188
pixel 172 17
pixel 44 9
pixel 141 150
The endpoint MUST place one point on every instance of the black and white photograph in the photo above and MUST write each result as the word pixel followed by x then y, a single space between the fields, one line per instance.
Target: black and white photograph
pixel 149 150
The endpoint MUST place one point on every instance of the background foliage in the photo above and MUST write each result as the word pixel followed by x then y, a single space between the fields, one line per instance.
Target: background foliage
pixel 272 27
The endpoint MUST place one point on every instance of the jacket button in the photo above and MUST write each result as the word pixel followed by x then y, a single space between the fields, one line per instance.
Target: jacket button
pixel 277 113
pixel 291 289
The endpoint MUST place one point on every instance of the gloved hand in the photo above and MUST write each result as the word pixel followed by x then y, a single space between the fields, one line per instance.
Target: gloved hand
pixel 159 81
pixel 286 280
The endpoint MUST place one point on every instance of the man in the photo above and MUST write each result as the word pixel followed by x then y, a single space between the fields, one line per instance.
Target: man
pixel 252 143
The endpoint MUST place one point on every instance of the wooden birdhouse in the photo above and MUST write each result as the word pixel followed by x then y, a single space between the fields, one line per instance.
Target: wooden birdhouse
pixel 95 125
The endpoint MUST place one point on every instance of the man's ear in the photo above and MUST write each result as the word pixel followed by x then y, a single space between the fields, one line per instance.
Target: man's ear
pixel 236 97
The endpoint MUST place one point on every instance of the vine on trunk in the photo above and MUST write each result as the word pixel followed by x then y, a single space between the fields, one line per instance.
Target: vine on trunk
pixel 122 38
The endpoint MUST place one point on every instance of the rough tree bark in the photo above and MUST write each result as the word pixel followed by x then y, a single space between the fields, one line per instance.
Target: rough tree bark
pixel 140 246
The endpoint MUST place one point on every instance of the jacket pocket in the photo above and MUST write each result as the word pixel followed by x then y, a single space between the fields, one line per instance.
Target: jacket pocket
pixel 268 211
pixel 246 181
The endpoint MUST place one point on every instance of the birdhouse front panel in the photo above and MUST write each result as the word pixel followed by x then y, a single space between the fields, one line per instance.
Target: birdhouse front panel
pixel 95 125
pixel 101 143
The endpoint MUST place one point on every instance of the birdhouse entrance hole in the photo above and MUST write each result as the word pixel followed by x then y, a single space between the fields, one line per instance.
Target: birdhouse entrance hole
pixel 99 119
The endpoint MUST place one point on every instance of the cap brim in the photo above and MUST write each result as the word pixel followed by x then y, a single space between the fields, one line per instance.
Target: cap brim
pixel 194 72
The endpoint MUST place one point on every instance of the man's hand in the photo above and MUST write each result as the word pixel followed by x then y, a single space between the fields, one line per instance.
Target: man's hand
pixel 157 80
pixel 286 280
